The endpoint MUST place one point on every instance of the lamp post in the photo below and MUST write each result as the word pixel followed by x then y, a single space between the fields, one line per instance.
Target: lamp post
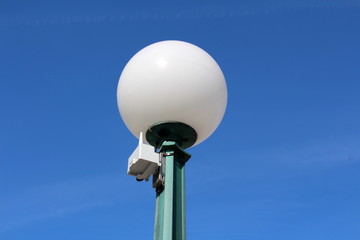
pixel 174 93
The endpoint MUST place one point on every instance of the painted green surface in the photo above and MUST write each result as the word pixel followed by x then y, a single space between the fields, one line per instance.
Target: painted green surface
pixel 170 213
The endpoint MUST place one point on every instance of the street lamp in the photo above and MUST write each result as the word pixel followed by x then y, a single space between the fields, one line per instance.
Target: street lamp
pixel 171 95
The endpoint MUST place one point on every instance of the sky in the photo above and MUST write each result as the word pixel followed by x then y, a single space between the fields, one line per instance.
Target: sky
pixel 283 164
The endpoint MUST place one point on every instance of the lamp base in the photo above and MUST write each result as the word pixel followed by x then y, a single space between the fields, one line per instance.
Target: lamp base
pixel 181 133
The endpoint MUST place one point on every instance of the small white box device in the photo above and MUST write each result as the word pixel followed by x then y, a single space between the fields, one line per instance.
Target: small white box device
pixel 144 161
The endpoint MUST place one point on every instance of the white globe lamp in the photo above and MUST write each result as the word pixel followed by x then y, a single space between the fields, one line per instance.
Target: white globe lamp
pixel 172 90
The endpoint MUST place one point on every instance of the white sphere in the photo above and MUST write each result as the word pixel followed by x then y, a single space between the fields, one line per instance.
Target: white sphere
pixel 172 81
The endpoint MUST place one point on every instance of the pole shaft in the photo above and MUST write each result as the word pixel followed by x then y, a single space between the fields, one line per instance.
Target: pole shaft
pixel 170 221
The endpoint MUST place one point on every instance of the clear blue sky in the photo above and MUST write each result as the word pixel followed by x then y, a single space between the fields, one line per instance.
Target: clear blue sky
pixel 284 163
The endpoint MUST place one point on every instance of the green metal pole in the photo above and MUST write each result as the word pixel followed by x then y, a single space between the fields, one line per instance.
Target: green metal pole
pixel 170 201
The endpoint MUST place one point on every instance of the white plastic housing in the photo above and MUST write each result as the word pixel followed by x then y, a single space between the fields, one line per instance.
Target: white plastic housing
pixel 172 81
pixel 144 161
